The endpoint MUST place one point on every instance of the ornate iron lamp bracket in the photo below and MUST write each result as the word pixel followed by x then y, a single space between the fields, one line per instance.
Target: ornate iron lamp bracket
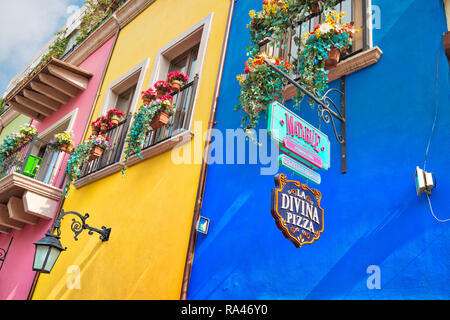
pixel 327 109
pixel 3 253
pixel 78 226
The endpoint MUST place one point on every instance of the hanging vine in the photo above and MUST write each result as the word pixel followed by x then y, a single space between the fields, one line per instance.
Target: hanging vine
pixel 274 24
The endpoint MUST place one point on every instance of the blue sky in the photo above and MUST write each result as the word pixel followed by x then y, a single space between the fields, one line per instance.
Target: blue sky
pixel 25 27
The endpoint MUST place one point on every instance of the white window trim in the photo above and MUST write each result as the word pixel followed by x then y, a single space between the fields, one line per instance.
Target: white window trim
pixel 111 97
pixel 72 115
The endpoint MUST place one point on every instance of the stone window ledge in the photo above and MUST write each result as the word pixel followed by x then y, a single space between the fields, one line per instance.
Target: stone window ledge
pixel 355 63
pixel 166 145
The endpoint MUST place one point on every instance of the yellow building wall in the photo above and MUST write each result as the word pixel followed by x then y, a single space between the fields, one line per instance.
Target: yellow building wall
pixel 150 209
pixel 447 12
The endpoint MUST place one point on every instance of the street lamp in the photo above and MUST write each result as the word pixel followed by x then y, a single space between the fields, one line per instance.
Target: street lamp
pixel 49 247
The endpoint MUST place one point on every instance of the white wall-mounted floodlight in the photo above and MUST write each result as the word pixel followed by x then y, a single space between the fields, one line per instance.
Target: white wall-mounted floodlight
pixel 425 181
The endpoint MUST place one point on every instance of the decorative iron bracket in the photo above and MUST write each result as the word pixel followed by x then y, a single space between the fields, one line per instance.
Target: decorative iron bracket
pixel 327 110
pixel 78 226
pixel 3 253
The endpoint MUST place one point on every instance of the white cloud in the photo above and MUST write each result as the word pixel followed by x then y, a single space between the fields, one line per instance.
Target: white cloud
pixel 25 27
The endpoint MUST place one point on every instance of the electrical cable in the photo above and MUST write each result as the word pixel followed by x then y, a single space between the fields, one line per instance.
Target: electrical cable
pixel 431 209
pixel 431 135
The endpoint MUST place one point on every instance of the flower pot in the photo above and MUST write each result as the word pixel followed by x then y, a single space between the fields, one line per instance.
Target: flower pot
pixel 161 119
pixel 95 131
pixel 146 101
pixel 316 8
pixel 103 127
pixel 160 93
pixel 176 85
pixel 96 152
pixel 333 58
pixel 29 137
pixel 115 120
pixel 63 147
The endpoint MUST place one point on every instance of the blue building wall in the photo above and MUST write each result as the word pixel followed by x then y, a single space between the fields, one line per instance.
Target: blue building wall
pixel 372 214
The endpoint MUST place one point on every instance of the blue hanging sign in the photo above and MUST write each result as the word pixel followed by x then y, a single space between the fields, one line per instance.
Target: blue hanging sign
pixel 296 210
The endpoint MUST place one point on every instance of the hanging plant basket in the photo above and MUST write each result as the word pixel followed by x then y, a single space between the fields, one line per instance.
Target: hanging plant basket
pixel 161 119
pixel 334 56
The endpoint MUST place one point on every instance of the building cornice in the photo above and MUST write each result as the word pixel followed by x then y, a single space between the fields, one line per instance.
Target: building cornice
pixel 120 18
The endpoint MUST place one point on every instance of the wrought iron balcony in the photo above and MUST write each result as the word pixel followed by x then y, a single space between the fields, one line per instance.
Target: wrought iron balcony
pixel 37 161
pixel 179 122
pixel 31 180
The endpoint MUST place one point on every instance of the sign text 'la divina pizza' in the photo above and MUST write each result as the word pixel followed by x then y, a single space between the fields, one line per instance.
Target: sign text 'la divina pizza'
pixel 296 210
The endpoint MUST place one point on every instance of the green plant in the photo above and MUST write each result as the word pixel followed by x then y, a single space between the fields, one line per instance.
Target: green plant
pixel 141 124
pixel 138 131
pixel 56 50
pixel 28 130
pixel 260 85
pixel 317 44
pixel 78 157
pixel 61 139
pixel 96 12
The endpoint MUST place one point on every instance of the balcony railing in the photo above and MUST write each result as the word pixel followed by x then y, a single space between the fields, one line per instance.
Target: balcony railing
pixel 179 122
pixel 184 101
pixel 355 13
pixel 37 161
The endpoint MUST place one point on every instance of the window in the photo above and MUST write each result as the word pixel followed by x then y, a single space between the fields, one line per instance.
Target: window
pixel 122 94
pixel 184 53
pixel 355 13
pixel 125 99
pixel 185 63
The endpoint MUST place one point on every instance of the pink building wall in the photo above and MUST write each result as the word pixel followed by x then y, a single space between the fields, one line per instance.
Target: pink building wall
pixel 16 275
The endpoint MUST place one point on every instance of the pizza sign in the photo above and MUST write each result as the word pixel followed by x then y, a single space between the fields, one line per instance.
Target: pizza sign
pixel 296 210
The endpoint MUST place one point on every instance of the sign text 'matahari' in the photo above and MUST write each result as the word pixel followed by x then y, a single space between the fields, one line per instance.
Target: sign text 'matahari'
pixel 297 138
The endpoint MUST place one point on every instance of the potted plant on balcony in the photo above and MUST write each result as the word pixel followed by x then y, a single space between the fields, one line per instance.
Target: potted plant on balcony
pixel 62 141
pixel 79 156
pixel 142 123
pixel 162 88
pixel 322 48
pixel 10 144
pixel 115 116
pixel 164 109
pixel 260 86
pixel 104 123
pixel 148 95
pixel 177 79
pixel 28 132
pixel 99 144
pixel 95 125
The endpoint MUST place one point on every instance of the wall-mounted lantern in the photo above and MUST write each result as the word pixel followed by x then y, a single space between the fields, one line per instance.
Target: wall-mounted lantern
pixel 49 247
